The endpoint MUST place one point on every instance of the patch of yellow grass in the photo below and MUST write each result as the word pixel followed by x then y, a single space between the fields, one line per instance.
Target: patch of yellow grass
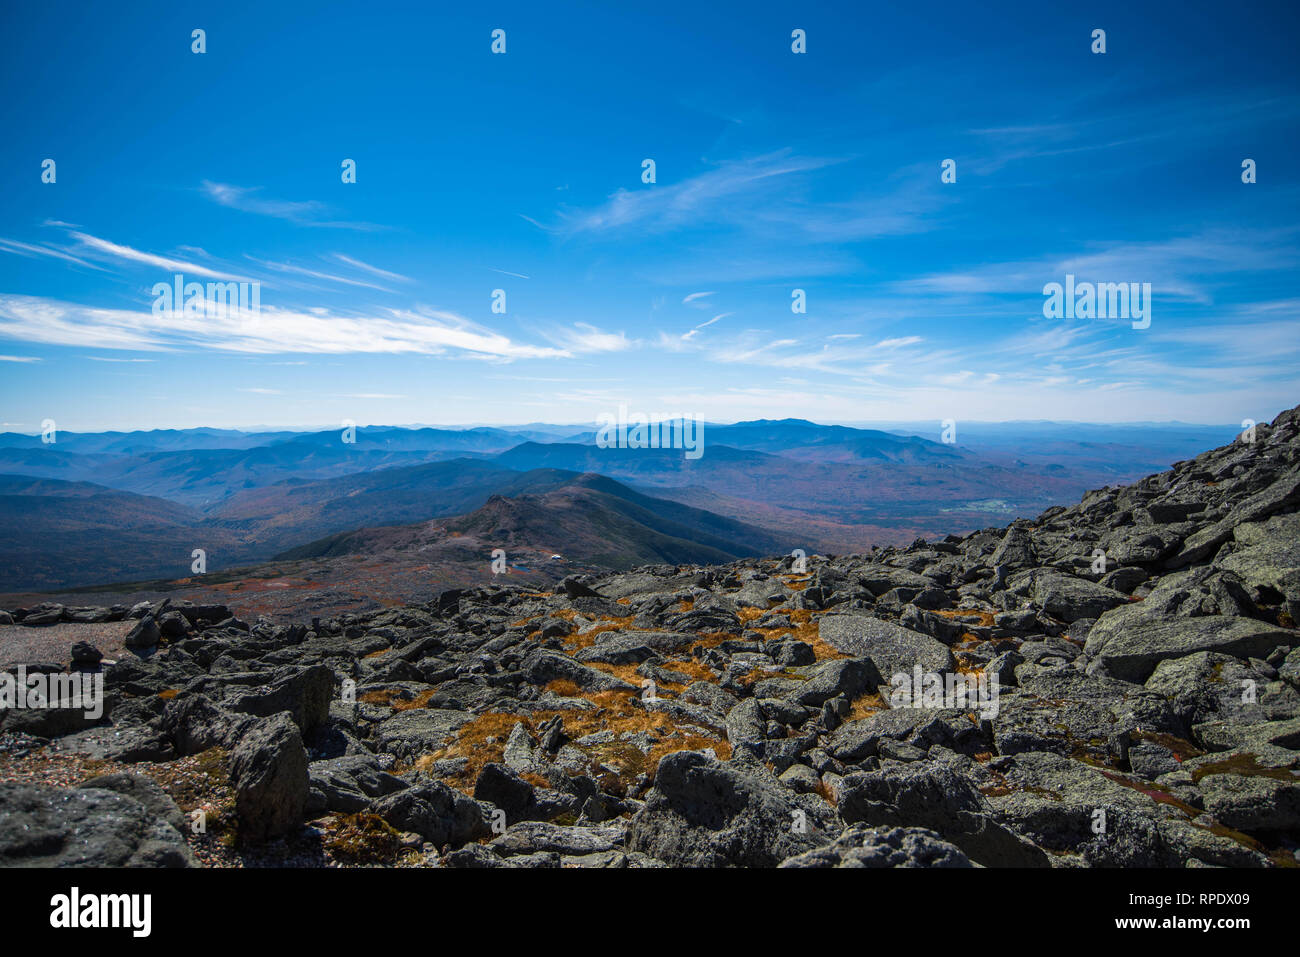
pixel 864 706
pixel 397 698
pixel 622 672
pixel 564 688
pixel 576 642
pixel 695 670
pixel 483 739
pixel 710 639
pixel 968 616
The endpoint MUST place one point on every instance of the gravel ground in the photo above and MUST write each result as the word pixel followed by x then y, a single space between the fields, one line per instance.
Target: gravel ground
pixel 53 643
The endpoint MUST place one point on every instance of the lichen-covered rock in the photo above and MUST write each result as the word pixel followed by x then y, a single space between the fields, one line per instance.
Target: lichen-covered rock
pixel 115 824
pixel 863 846
pixel 703 813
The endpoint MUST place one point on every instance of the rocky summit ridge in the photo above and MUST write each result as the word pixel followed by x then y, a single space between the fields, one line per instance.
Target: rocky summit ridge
pixel 1137 655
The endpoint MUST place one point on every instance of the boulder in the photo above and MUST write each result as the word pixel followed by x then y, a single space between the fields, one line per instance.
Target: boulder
pixel 891 648
pixel 863 846
pixel 703 813
pixel 303 692
pixel 1127 643
pixel 1069 598
pixel 935 797
pixel 268 771
pixel 111 824
pixel 437 813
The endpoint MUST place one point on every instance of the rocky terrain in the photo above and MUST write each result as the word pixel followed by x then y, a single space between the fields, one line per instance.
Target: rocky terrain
pixel 1142 643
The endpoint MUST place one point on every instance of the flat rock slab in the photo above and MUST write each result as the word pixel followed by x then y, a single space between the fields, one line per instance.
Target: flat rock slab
pixel 1070 598
pixel 419 730
pixel 621 647
pixel 530 837
pixel 1268 554
pixel 892 648
pixel 87 827
pixel 1254 802
pixel 1128 644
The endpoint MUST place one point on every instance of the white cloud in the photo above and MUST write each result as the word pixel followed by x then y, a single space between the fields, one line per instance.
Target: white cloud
pixel 702 325
pixel 274 331
pixel 704 196
pixel 316 274
pixel 1178 269
pixel 113 250
pixel 304 213
pixel 373 270
pixel 27 249
pixel 586 338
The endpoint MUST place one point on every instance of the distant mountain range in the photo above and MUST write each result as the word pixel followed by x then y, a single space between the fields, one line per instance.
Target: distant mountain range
pixel 104 507
pixel 588 519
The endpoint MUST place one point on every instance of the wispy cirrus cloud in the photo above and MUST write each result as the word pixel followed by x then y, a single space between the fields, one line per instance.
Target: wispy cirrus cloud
pixel 302 212
pixel 704 325
pixel 710 195
pixel 1179 266
pixel 104 247
pixel 273 331
pixel 29 250
pixel 373 270
pixel 586 338
pixel 772 198
pixel 291 269
pixel 1082 125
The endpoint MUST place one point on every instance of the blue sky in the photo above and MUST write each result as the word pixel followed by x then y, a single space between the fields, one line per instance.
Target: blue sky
pixel 522 172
